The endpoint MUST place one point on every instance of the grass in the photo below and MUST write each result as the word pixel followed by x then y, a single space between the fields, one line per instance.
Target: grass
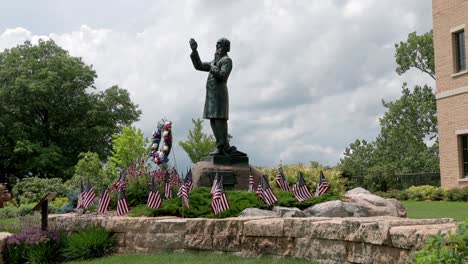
pixel 9 225
pixel 190 258
pixel 436 209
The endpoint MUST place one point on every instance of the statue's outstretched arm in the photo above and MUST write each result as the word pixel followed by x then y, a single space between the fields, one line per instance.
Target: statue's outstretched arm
pixel 222 72
pixel 197 63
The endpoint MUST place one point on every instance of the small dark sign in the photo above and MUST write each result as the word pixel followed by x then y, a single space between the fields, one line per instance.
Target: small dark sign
pixel 229 179
pixel 43 204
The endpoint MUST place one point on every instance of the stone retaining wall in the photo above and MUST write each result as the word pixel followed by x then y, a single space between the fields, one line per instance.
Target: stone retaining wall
pixel 326 240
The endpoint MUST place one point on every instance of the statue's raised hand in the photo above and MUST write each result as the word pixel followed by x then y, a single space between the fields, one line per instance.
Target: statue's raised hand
pixel 193 44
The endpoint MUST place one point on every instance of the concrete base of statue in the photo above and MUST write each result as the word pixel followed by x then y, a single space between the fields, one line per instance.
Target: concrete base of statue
pixel 235 176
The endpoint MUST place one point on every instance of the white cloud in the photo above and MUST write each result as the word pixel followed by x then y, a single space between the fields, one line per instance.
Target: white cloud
pixel 308 76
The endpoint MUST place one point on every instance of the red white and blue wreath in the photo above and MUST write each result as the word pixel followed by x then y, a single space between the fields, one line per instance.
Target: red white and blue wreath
pixel 162 143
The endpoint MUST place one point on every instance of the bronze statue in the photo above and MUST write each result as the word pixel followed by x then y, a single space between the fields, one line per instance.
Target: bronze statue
pixel 217 99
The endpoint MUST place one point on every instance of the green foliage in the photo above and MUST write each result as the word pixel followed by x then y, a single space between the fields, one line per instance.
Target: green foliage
pixel 445 248
pixel 417 52
pixel 311 174
pixel 200 201
pixel 457 194
pixel 421 193
pixel 48 114
pixel 32 190
pixel 13 211
pixel 91 242
pixel 34 246
pixel 59 202
pixel 407 125
pixel 90 167
pixel 198 144
pixel 427 193
pixel 128 146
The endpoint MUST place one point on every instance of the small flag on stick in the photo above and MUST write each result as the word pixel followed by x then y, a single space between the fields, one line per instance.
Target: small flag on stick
pixel 300 189
pixel 104 200
pixel 219 201
pixel 167 186
pixel 154 198
pixel 81 196
pixel 215 183
pixel 322 185
pixel 265 192
pixel 122 205
pixel 281 180
pixel 89 197
pixel 251 182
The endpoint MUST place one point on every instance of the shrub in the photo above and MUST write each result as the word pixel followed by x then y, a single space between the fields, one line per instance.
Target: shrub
pixel 91 242
pixel 311 174
pixel 445 248
pixel 12 211
pixel 32 245
pixel 31 190
pixel 455 195
pixel 421 193
pixel 200 201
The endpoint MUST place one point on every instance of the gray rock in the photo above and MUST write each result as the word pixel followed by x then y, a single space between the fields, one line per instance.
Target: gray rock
pixel 356 211
pixel 288 212
pixel 356 191
pixel 327 209
pixel 376 205
pixel 257 212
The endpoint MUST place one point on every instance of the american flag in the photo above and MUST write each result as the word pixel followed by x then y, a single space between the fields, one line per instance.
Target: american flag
pixel 175 177
pixel 322 185
pixel 183 193
pixel 167 186
pixel 122 205
pixel 154 198
pixel 121 183
pixel 265 193
pixel 300 189
pixel 215 183
pixel 104 200
pixel 81 196
pixel 188 184
pixel 89 196
pixel 281 181
pixel 219 201
pixel 251 183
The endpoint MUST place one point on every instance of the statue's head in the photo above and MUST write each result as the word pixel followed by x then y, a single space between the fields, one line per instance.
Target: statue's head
pixel 224 44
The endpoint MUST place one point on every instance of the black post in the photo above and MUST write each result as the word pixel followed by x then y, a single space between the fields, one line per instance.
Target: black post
pixel 44 214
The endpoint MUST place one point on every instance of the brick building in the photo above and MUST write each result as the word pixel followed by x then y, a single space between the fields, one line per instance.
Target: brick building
pixel 450 21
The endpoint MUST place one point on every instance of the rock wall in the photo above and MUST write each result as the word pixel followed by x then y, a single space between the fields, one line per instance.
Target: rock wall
pixel 3 237
pixel 326 240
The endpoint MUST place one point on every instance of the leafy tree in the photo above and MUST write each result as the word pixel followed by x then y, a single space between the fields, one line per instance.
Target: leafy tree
pixel 90 167
pixel 129 146
pixel 48 114
pixel 198 144
pixel 417 52
pixel 408 130
pixel 358 157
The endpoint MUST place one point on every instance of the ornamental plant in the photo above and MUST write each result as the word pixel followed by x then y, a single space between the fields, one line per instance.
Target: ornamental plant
pixel 445 248
pixel 32 245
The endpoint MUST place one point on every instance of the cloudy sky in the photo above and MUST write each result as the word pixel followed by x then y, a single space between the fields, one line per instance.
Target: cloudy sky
pixel 308 76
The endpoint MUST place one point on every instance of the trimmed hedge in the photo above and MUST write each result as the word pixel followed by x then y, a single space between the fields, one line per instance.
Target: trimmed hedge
pixel 427 193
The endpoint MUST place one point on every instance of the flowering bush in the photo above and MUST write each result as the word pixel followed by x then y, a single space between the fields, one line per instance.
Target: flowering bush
pixel 32 245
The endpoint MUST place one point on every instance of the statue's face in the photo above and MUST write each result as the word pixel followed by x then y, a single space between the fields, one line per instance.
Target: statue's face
pixel 219 45
pixel 223 44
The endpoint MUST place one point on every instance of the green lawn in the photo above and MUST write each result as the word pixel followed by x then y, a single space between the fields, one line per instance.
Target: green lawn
pixel 9 225
pixel 190 258
pixel 436 209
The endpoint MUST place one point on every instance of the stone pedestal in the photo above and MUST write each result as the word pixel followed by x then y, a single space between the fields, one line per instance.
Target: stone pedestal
pixel 236 176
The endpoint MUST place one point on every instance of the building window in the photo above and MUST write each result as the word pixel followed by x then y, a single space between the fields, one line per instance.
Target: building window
pixel 464 148
pixel 459 46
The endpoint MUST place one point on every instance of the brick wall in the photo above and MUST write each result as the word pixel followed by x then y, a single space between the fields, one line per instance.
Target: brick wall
pixel 452 110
